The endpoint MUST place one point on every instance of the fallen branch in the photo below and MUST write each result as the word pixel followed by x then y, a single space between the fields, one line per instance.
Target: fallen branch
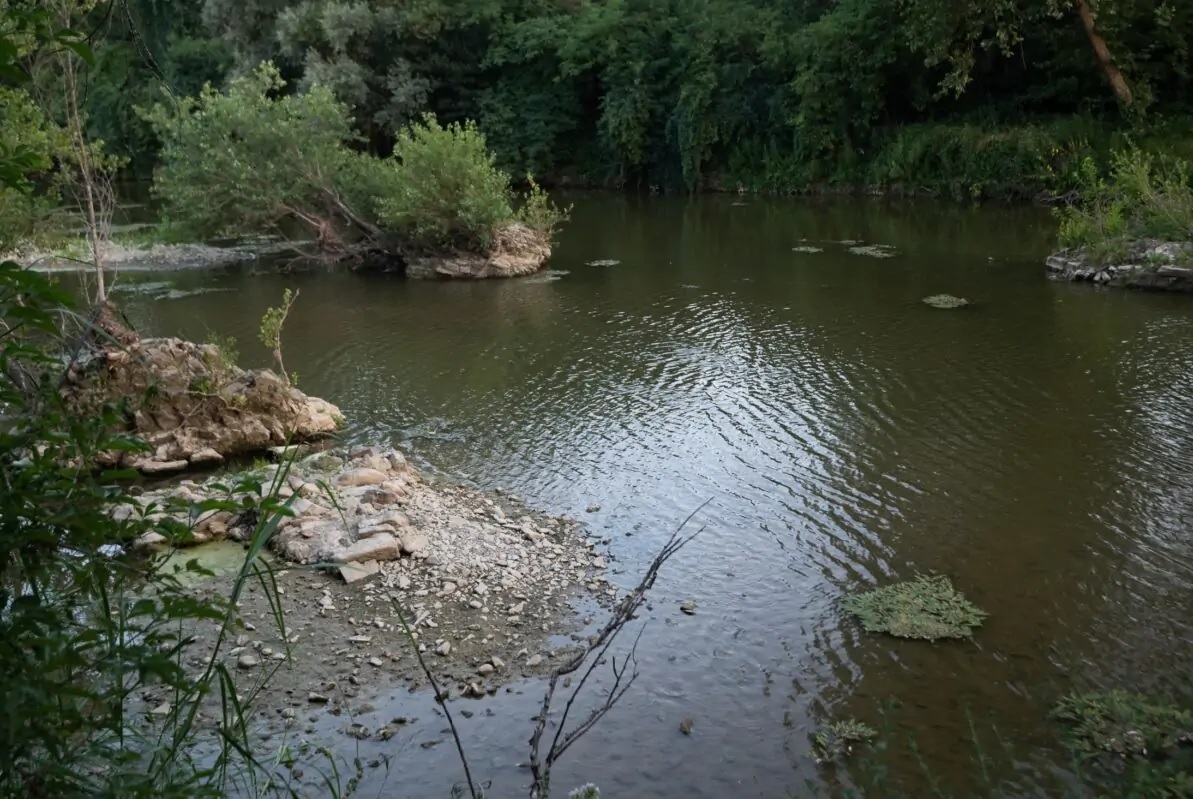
pixel 441 700
pixel 623 613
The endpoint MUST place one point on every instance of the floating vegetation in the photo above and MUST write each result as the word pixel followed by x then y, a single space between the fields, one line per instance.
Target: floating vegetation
pixel 178 294
pixel 807 248
pixel 546 276
pixel 1124 723
pixel 837 739
pixel 945 301
pixel 874 250
pixel 148 287
pixel 926 608
pixel 603 262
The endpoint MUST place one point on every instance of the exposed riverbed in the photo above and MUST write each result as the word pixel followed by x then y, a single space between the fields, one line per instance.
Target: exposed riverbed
pixel 775 357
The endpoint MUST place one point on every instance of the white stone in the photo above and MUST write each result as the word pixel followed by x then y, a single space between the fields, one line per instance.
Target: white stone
pixel 362 477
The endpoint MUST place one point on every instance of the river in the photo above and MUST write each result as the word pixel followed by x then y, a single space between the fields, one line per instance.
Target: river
pixel 1036 447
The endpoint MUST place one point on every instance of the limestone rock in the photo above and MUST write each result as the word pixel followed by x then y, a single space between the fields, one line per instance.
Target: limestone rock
pixel 206 457
pixel 414 542
pixel 355 572
pixel 517 250
pixel 1146 264
pixel 151 467
pixel 193 406
pixel 379 547
pixel 362 477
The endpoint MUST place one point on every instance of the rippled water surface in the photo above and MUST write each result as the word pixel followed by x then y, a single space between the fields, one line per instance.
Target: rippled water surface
pixel 1035 446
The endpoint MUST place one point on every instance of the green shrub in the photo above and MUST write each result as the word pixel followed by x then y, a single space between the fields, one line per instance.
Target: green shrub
pixel 249 158
pixel 1145 197
pixel 84 630
pixel 450 193
pixel 539 212
pixel 242 160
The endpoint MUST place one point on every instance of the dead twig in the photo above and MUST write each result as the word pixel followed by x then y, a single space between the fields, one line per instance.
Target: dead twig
pixel 441 700
pixel 623 676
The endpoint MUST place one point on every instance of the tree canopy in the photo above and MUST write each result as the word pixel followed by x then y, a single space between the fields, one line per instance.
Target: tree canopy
pixel 673 93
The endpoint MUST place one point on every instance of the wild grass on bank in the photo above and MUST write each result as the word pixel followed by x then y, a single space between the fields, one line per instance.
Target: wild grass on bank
pixel 1145 196
pixel 981 159
pixel 86 632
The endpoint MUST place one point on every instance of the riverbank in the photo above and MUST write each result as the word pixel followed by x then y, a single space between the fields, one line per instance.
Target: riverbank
pixel 149 256
pixel 1145 264
pixel 481 579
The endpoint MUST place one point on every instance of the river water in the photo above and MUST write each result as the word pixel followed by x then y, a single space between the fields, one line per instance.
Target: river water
pixel 1036 447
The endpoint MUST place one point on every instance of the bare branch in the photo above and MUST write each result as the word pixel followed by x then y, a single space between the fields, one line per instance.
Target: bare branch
pixel 441 700
pixel 623 613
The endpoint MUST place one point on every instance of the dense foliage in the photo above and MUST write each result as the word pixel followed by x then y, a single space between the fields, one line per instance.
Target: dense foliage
pixel 721 92
pixel 269 158
pixel 999 99
pixel 83 628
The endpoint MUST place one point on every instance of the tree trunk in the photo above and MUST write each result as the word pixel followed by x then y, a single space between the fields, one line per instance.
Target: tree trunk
pixel 1117 82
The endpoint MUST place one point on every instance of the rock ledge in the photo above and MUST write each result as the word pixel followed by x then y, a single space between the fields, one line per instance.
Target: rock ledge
pixel 1149 264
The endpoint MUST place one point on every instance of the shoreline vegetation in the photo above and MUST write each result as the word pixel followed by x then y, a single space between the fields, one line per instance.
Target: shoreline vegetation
pixel 1133 228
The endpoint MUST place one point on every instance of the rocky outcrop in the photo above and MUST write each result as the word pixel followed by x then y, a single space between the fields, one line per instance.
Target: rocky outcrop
pixel 517 250
pixel 190 405
pixel 1148 264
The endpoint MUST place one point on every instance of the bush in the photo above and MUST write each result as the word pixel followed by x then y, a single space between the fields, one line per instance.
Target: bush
pixel 538 212
pixel 84 629
pixel 248 159
pixel 32 144
pixel 1145 197
pixel 243 160
pixel 450 193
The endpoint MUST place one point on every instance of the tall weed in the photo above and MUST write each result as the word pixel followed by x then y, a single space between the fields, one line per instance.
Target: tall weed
pixel 1145 197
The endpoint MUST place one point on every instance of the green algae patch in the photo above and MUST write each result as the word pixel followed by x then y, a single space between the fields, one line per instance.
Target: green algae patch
pixel 836 740
pixel 874 250
pixel 945 301
pixel 1124 723
pixel 926 608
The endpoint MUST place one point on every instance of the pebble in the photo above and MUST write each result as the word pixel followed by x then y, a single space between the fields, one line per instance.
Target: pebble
pixel 498 663
pixel 375 662
pixel 485 670
pixel 318 699
pixel 247 662
pixel 476 604
pixel 444 649
pixel 592 508
pixel 535 660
